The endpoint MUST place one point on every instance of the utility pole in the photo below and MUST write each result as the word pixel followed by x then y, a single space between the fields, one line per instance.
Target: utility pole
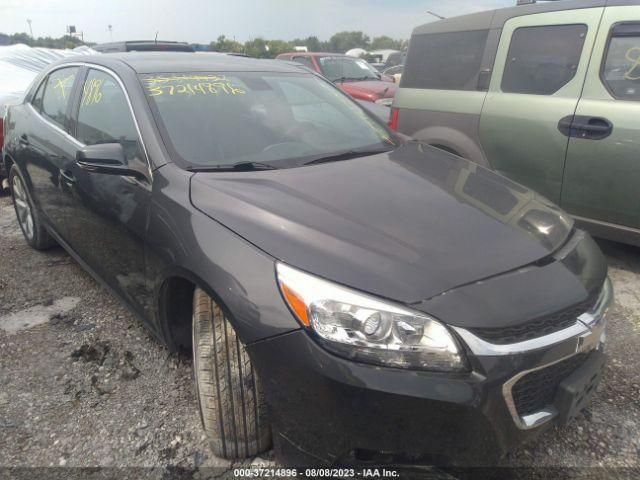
pixel 436 15
pixel 30 29
pixel 110 27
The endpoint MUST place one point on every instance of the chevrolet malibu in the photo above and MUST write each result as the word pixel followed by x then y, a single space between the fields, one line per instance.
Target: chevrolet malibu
pixel 348 294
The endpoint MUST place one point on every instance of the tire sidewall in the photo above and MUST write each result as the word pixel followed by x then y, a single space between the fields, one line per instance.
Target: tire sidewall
pixel 15 172
pixel 234 395
pixel 41 239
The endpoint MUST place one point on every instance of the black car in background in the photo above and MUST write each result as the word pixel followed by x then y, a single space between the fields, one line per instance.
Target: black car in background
pixel 344 291
pixel 144 46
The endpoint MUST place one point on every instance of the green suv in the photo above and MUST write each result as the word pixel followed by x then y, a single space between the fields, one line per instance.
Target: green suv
pixel 547 94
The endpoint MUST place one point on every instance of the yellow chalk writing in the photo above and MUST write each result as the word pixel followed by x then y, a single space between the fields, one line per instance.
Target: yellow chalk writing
pixel 62 85
pixel 191 85
pixel 92 92
pixel 633 56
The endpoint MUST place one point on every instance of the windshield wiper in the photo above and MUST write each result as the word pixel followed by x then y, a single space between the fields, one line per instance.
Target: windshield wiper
pixel 233 167
pixel 355 79
pixel 349 154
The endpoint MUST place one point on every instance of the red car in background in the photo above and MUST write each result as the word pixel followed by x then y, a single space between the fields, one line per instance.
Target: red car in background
pixel 354 76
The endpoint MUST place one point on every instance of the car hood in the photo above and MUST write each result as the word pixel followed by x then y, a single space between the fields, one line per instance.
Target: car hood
pixel 405 225
pixel 380 88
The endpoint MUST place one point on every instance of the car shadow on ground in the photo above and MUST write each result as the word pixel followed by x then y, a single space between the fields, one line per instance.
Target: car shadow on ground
pixel 620 255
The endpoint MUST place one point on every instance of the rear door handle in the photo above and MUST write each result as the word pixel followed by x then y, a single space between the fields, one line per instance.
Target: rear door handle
pixel 593 128
pixel 24 140
pixel 582 126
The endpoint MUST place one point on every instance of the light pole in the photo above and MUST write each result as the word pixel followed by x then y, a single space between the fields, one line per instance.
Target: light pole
pixel 110 27
pixel 30 29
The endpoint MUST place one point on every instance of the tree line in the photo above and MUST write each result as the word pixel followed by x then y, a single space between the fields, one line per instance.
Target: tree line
pixel 66 41
pixel 257 47
pixel 338 43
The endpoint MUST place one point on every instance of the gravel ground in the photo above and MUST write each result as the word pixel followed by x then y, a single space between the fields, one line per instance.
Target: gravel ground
pixel 82 384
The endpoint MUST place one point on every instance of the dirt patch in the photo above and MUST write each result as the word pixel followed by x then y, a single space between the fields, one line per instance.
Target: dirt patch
pixel 37 315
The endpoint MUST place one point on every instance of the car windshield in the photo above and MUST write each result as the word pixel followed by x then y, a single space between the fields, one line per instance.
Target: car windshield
pixel 347 68
pixel 273 119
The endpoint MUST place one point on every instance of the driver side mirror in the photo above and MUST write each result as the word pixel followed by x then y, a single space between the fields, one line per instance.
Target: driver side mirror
pixel 107 158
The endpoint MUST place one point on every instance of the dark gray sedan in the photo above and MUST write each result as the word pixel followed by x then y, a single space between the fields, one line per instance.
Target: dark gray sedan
pixel 345 292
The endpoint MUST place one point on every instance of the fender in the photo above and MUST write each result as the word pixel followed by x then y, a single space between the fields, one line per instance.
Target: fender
pixel 454 141
pixel 183 242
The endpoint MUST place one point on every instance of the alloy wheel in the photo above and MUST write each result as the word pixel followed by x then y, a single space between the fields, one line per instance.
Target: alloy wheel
pixel 23 207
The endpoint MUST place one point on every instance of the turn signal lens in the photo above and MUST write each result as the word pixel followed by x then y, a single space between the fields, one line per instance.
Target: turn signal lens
pixel 361 327
pixel 296 303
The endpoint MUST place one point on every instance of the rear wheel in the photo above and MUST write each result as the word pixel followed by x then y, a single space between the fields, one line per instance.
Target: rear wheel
pixel 232 405
pixel 29 219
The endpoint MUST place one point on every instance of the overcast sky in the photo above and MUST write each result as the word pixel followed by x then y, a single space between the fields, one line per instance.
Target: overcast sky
pixel 204 20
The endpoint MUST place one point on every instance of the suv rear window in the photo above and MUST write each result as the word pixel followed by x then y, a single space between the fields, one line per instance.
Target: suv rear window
pixel 621 69
pixel 445 61
pixel 543 59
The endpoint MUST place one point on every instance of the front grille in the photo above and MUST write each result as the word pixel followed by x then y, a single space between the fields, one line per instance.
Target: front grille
pixel 538 327
pixel 536 390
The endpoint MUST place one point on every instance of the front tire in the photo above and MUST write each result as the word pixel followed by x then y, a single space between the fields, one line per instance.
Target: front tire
pixel 232 406
pixel 29 219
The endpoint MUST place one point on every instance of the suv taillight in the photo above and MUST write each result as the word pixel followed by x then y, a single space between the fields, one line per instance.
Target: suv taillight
pixel 393 121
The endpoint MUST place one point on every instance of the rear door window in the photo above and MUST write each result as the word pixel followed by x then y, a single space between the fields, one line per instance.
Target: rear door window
pixel 445 61
pixel 621 67
pixel 57 94
pixel 36 101
pixel 543 59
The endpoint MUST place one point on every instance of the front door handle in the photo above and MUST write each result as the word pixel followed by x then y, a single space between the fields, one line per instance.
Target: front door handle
pixel 24 140
pixel 582 126
pixel 67 177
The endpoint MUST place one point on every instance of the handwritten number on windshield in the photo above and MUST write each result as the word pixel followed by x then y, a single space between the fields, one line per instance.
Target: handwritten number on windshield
pixel 633 56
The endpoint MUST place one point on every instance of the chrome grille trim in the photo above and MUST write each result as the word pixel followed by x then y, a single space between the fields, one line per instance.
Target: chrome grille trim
pixel 586 334
pixel 583 325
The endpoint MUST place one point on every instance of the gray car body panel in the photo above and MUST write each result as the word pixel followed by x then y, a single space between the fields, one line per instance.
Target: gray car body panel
pixel 184 242
pixel 398 243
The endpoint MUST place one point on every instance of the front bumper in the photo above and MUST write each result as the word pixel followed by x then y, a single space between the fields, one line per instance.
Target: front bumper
pixel 324 408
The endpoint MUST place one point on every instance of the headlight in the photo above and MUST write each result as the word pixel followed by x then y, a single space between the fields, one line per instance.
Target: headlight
pixel 384 101
pixel 360 327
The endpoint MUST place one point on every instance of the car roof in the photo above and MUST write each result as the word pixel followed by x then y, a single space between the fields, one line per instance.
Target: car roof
pixel 165 62
pixel 495 19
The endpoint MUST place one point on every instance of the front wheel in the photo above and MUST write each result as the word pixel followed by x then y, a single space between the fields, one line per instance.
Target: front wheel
pixel 232 405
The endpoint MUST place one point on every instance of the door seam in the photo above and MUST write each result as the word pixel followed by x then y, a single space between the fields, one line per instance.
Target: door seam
pixel 584 82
